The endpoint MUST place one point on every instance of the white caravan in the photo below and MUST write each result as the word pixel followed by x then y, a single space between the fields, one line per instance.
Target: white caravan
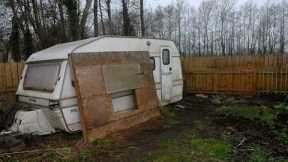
pixel 46 90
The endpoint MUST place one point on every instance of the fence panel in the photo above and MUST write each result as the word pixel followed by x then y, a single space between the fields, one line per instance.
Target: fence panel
pixel 236 74
pixel 10 74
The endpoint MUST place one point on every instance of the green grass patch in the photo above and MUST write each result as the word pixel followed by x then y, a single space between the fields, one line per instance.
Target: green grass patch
pixel 258 155
pixel 189 147
pixel 103 143
pixel 169 115
pixel 263 113
pixel 212 147
pixel 87 154
pixel 281 108
pixel 266 115
pixel 282 135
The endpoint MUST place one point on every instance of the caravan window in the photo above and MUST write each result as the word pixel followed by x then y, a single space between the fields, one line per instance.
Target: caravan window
pixel 42 76
pixel 166 56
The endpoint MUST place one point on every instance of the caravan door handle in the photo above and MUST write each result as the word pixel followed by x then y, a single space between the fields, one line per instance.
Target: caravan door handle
pixel 170 69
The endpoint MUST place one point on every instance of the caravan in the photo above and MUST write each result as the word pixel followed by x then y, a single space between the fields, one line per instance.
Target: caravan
pixel 46 90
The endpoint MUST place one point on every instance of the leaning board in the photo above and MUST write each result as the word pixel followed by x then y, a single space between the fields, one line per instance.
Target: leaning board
pixel 100 75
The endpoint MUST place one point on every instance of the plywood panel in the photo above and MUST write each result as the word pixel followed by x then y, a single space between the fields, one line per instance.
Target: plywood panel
pixel 122 77
pixel 98 76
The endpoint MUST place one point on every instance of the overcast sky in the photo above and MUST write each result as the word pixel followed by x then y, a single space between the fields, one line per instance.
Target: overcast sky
pixel 196 3
pixel 155 3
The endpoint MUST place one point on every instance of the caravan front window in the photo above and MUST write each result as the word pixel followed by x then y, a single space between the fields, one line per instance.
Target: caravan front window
pixel 42 76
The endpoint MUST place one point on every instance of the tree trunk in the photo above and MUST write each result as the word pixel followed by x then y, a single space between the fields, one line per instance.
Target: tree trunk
pixel 62 20
pixel 222 38
pixel 142 18
pixel 179 30
pixel 101 18
pixel 282 31
pixel 212 43
pixel 108 9
pixel 127 28
pixel 15 40
pixel 96 31
pixel 36 20
pixel 199 41
pixel 73 18
pixel 28 43
pixel 84 18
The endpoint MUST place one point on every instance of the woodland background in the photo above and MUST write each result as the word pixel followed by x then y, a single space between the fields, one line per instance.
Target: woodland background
pixel 216 27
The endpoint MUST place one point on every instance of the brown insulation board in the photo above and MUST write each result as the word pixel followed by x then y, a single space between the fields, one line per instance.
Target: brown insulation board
pixel 99 76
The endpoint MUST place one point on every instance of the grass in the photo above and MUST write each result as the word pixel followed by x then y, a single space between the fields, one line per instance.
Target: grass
pixel 258 154
pixel 263 113
pixel 186 146
pixel 87 154
pixel 281 108
pixel 189 147
pixel 191 150
pixel 266 115
pixel 169 116
pixel 212 147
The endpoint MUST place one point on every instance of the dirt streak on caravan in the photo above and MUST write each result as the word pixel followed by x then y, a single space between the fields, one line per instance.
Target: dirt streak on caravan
pixel 46 90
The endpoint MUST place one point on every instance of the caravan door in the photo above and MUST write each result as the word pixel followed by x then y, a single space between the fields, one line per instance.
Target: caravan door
pixel 166 74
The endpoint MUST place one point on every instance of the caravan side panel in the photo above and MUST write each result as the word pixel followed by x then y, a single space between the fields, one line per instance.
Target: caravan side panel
pixel 69 104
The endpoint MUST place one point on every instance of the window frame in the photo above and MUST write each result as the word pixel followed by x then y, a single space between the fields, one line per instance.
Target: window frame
pixel 26 87
pixel 164 60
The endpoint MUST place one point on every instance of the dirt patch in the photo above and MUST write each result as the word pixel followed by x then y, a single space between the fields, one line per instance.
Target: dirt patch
pixel 183 126
pixel 245 133
pixel 7 114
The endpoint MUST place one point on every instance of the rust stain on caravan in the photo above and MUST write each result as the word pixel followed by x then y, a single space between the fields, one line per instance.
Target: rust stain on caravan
pixel 95 85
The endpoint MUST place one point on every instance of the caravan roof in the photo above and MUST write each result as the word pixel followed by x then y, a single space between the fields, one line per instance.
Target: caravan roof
pixel 103 44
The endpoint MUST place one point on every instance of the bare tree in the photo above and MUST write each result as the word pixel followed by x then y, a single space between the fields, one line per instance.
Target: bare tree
pixel 225 7
pixel 158 24
pixel 95 11
pixel 73 18
pixel 142 18
pixel 170 10
pixel 282 28
pixel 179 18
pixel 128 29
pixel 108 9
pixel 28 43
pixel 218 27
pixel 84 17
pixel 205 13
pixel 15 40
pixel 62 20
pixel 101 17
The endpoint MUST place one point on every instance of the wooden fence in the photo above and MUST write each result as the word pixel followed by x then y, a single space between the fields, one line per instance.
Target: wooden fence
pixel 236 74
pixel 10 74
pixel 208 74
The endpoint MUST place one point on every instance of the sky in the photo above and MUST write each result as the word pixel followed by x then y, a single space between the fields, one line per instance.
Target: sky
pixel 156 3
pixel 196 3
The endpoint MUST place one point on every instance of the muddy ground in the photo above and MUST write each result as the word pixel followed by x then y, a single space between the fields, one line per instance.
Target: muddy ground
pixel 199 128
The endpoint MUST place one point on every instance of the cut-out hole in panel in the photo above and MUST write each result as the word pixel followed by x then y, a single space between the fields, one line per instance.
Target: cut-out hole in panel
pixel 124 101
